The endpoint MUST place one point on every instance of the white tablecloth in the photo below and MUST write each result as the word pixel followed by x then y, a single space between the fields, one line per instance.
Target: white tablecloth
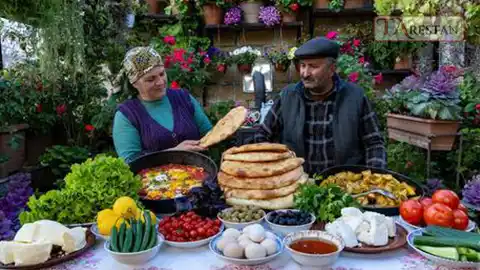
pixel 202 258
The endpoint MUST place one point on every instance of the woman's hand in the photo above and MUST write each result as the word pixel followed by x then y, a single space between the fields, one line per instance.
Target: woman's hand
pixel 190 146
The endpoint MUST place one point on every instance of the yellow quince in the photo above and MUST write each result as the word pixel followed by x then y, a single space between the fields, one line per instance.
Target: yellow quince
pixel 125 207
pixel 106 219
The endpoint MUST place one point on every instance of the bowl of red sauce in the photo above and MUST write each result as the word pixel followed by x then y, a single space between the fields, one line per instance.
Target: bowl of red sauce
pixel 314 248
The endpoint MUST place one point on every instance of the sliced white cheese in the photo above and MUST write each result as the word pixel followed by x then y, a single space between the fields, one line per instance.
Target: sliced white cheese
pixel 78 237
pixel 26 233
pixel 32 253
pixel 353 221
pixel 392 228
pixel 363 227
pixel 369 216
pixel 53 232
pixel 351 212
pixel 379 235
pixel 341 229
pixel 6 255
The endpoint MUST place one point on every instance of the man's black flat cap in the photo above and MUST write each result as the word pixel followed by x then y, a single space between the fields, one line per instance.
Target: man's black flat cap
pixel 318 48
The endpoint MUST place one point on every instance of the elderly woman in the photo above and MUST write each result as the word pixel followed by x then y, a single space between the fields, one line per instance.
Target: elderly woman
pixel 158 118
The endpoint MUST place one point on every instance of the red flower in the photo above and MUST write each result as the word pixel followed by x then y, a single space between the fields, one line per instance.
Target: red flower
pixel 39 87
pixel 178 55
pixel 169 40
pixel 207 60
pixel 378 78
pixel 168 61
pixel 347 48
pixel 356 42
pixel 38 108
pixel 361 60
pixel 294 7
pixel 202 52
pixel 89 127
pixel 61 109
pixel 221 68
pixel 190 60
pixel 353 77
pixel 477 107
pixel 175 85
pixel 332 35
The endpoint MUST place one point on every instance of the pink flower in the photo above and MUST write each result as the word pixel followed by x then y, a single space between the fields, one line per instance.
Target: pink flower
pixel 378 78
pixel 89 128
pixel 332 35
pixel 175 85
pixel 61 109
pixel 356 42
pixel 353 77
pixel 361 60
pixel 207 60
pixel 169 40
pixel 477 107
pixel 178 55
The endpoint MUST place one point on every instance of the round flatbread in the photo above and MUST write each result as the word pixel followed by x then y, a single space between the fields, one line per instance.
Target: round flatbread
pixel 226 127
pixel 258 156
pixel 272 204
pixel 260 169
pixel 271 182
pixel 258 147
pixel 264 194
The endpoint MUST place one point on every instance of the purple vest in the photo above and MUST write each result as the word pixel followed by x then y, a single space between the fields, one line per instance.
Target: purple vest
pixel 155 137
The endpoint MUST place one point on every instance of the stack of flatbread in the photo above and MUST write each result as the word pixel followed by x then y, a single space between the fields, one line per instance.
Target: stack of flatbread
pixel 264 174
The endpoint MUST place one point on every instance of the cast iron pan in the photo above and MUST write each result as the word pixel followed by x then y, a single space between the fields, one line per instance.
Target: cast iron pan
pixel 388 211
pixel 169 206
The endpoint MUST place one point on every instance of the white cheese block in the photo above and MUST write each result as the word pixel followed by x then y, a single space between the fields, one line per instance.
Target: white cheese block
pixel 6 255
pixel 26 233
pixel 369 216
pixel 341 229
pixel 351 212
pixel 353 221
pixel 53 232
pixel 392 228
pixel 76 241
pixel 379 235
pixel 363 227
pixel 30 253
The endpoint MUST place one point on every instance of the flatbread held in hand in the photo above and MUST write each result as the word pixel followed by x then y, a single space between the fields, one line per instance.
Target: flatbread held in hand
pixel 226 127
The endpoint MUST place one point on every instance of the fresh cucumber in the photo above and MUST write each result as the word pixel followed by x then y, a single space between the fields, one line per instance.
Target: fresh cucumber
pixel 127 245
pixel 441 231
pixel 444 252
pixel 114 239
pixel 121 235
pixel 153 238
pixel 148 227
pixel 138 236
pixel 470 254
pixel 435 241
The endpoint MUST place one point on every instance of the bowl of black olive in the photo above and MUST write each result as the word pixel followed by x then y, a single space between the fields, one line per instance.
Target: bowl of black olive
pixel 286 221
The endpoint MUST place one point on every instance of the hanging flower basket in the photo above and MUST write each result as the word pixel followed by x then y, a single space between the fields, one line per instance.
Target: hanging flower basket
pixel 244 68
pixel 212 14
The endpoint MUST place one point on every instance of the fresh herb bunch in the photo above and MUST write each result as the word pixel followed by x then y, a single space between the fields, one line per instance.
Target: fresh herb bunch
pixel 208 199
pixel 245 55
pixel 325 202
pixel 90 187
pixel 336 5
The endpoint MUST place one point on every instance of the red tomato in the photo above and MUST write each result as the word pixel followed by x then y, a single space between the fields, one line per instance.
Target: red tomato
pixel 463 208
pixel 446 197
pixel 201 231
pixel 460 220
pixel 217 222
pixel 411 211
pixel 426 202
pixel 439 214
pixel 193 233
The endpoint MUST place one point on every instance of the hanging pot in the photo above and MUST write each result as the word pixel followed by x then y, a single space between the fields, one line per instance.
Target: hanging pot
pixel 403 62
pixel 244 68
pixel 321 3
pixel 281 67
pixel 289 17
pixel 350 4
pixel 212 14
pixel 153 6
pixel 251 10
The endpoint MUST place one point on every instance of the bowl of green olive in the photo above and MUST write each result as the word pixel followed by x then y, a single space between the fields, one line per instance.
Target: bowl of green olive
pixel 238 217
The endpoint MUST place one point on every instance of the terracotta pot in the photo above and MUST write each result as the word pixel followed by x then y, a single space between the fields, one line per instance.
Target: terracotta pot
pixel 153 6
pixel 415 131
pixel 16 156
pixel 289 17
pixel 251 11
pixel 281 67
pixel 244 68
pixel 212 14
pixel 349 4
pixel 321 3
pixel 403 62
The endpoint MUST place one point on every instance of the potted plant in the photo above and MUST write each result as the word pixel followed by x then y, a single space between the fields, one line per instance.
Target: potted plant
pixel 269 15
pixel 426 107
pixel 233 16
pixel 220 59
pixel 244 57
pixel 335 5
pixel 385 7
pixel 251 10
pixel 279 59
pixel 178 8
pixel 290 8
pixel 212 10
pixel 393 55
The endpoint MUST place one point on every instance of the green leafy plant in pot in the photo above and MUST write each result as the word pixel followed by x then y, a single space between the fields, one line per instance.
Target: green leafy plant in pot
pixel 244 57
pixel 212 10
pixel 279 58
pixel 291 8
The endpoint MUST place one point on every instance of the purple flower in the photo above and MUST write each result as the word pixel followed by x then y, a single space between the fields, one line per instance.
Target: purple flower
pixel 471 191
pixel 432 185
pixel 269 15
pixel 233 16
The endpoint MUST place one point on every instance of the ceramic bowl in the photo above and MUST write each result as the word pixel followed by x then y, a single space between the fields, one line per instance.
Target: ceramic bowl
pixel 239 225
pixel 135 258
pixel 94 230
pixel 194 244
pixel 470 227
pixel 219 254
pixel 283 230
pixel 313 260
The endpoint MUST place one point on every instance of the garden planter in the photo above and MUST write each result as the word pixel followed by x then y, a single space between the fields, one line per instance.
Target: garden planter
pixel 321 4
pixel 153 6
pixel 289 17
pixel 281 67
pixel 412 129
pixel 36 144
pixel 251 11
pixel 350 4
pixel 212 14
pixel 244 68
pixel 403 62
pixel 16 155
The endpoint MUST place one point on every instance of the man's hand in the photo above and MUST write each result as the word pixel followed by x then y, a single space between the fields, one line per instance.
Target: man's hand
pixel 190 146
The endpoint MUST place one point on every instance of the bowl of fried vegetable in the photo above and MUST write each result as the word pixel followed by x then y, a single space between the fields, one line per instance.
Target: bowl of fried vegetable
pixel 362 179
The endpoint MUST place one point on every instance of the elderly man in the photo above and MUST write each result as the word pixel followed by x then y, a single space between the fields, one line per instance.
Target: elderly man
pixel 323 118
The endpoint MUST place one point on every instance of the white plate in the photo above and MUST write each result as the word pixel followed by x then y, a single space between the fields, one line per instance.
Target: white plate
pixel 79 225
pixel 439 260
pixel 193 244
pixel 471 225
pixel 219 254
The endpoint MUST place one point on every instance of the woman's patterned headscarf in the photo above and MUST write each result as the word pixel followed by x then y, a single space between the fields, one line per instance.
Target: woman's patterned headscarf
pixel 139 61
